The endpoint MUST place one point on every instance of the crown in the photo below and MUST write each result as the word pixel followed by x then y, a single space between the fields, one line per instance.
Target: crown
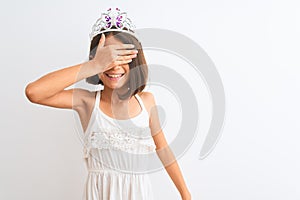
pixel 112 20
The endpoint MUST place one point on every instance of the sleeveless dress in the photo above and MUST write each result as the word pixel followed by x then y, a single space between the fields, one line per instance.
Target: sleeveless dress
pixel 115 153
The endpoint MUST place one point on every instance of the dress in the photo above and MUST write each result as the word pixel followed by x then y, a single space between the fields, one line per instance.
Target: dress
pixel 116 155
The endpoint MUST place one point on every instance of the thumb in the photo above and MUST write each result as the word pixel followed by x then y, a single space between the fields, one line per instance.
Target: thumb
pixel 102 40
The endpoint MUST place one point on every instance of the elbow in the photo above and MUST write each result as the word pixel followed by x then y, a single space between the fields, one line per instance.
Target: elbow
pixel 31 94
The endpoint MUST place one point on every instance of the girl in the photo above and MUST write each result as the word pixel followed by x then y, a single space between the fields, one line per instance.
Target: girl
pixel 111 117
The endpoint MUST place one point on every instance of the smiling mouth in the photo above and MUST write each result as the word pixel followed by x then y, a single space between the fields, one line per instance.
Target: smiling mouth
pixel 114 76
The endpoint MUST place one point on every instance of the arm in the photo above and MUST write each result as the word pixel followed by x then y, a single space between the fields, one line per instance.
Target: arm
pixel 50 89
pixel 164 151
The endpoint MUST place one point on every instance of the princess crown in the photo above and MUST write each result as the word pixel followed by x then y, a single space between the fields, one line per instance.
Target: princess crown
pixel 112 20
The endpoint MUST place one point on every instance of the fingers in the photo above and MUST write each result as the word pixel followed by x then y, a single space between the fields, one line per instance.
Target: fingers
pixel 123 49
pixel 118 63
pixel 121 62
pixel 127 57
pixel 122 46
pixel 127 52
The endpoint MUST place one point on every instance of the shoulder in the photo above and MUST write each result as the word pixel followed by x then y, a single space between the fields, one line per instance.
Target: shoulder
pixel 83 97
pixel 83 93
pixel 147 96
pixel 148 99
pixel 88 94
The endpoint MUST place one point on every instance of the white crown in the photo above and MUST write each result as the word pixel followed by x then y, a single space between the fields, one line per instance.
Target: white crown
pixel 112 20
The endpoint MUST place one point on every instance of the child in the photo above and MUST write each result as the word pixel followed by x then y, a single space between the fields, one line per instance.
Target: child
pixel 115 118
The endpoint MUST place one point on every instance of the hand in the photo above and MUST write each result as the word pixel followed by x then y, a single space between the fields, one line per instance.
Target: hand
pixel 112 55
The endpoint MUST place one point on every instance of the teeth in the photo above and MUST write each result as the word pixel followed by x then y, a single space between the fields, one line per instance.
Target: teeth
pixel 114 75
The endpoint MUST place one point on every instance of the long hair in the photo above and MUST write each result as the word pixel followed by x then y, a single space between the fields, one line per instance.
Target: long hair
pixel 138 67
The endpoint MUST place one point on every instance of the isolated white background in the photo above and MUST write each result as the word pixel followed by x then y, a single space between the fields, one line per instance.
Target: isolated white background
pixel 254 45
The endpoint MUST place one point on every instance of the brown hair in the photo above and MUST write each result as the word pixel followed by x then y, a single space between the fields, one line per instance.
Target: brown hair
pixel 137 77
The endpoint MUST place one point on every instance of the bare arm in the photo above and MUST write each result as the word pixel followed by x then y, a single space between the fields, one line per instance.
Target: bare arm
pixel 164 151
pixel 54 83
pixel 50 89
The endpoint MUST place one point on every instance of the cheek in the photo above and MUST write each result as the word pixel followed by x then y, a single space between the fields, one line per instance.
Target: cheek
pixel 127 68
pixel 101 76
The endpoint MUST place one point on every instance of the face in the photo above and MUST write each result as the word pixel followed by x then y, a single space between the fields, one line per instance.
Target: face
pixel 117 76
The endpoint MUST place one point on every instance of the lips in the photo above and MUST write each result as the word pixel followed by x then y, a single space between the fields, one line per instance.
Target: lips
pixel 114 76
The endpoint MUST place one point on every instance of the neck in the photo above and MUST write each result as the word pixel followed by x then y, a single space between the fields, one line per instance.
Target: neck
pixel 111 95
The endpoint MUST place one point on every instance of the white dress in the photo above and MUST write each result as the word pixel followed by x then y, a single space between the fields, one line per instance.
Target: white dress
pixel 115 153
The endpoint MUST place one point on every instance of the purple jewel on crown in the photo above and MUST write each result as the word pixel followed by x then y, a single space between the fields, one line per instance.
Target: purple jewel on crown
pixel 113 20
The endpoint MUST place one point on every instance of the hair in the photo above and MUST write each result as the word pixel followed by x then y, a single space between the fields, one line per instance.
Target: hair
pixel 137 77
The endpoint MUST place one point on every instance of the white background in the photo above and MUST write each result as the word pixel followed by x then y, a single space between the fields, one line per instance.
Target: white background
pixel 254 45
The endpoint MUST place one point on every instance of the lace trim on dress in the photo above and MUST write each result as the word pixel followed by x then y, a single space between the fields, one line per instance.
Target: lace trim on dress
pixel 129 140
